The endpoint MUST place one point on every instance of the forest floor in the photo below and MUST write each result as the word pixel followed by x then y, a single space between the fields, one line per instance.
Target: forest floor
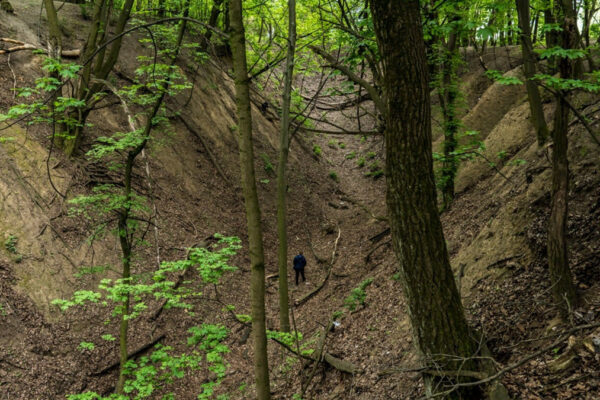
pixel 495 228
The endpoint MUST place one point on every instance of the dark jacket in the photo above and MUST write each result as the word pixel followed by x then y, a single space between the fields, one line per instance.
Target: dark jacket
pixel 299 262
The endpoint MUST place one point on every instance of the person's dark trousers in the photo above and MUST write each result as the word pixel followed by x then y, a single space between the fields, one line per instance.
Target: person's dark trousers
pixel 298 273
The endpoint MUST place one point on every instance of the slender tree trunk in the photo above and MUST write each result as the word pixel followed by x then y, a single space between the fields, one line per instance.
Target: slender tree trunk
pixel 54 51
pixel 55 37
pixel 257 279
pixel 126 278
pixel 125 237
pixel 214 17
pixel 86 91
pixel 448 93
pixel 529 68
pixel 434 305
pixel 284 144
pixel 563 289
pixel 536 24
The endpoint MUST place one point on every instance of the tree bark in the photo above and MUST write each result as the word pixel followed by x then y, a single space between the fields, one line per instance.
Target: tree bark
pixel 439 326
pixel 448 94
pixel 284 144
pixel 257 279
pixel 563 289
pixel 529 68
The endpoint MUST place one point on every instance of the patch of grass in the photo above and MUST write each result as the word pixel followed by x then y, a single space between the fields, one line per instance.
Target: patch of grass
pixel 351 155
pixel 371 155
pixel 332 143
pixel 333 175
pixel 342 145
pixel 361 162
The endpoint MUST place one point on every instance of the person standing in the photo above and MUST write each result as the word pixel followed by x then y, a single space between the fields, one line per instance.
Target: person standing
pixel 299 264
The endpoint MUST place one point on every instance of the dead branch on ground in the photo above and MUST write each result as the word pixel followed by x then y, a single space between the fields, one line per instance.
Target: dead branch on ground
pixel 316 290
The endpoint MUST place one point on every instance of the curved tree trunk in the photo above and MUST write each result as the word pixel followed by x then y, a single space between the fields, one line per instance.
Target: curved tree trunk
pixel 257 259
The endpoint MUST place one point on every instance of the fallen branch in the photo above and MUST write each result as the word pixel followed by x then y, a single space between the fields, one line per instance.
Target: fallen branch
pixel 333 361
pixel 341 132
pixel 364 208
pixel 132 354
pixel 316 290
pixel 20 46
pixel 318 357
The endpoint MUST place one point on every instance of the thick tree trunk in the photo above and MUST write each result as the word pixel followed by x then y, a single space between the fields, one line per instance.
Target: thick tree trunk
pixel 257 279
pixel 563 289
pixel 284 144
pixel 439 326
pixel 529 68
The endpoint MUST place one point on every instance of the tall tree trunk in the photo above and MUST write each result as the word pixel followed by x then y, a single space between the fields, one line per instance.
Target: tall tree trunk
pixel 434 305
pixel 257 261
pixel 54 51
pixel 55 37
pixel 214 17
pixel 125 237
pixel 529 68
pixel 284 144
pixel 448 93
pixel 563 289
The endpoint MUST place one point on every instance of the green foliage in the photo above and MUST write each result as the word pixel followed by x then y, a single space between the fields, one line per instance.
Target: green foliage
pixel 87 346
pixel 371 155
pixel 557 83
pixel 287 338
pixel 461 153
pixel 342 145
pixel 375 170
pixel 499 77
pixel 361 162
pixel 351 155
pixel 211 266
pixel 357 296
pixel 10 244
pixel 333 175
pixel 317 150
pixel 267 165
pixel 332 143
pixel 559 52
pixel 244 318
pixel 97 269
pixel 40 110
